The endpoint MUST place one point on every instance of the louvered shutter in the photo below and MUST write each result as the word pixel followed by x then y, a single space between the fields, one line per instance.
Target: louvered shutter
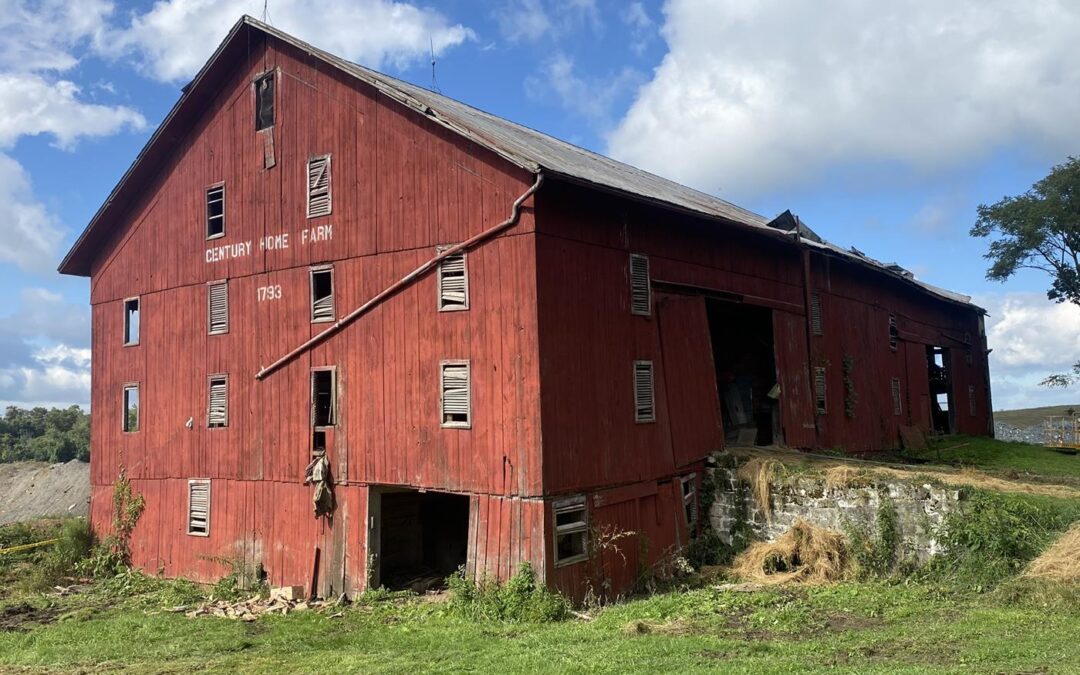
pixel 219 308
pixel 971 399
pixel 218 407
pixel 819 390
pixel 897 400
pixel 453 283
pixel 322 295
pixel 455 394
pixel 640 292
pixel 644 397
pixel 815 314
pixel 318 187
pixel 199 507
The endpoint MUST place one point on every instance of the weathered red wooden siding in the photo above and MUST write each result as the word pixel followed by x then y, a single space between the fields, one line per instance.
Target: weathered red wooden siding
pixel 401 186
pixel 856 305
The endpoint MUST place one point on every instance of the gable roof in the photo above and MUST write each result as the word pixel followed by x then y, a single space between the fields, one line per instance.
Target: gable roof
pixel 518 144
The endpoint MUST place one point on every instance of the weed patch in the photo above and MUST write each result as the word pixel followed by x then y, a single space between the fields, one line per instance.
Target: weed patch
pixel 519 599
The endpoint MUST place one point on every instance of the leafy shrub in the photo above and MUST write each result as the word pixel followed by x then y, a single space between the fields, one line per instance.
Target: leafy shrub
pixel 875 552
pixel 520 599
pixel 994 536
pixel 62 559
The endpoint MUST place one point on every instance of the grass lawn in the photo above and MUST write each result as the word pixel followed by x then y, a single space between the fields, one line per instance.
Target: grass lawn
pixel 1030 417
pixel 988 454
pixel 851 627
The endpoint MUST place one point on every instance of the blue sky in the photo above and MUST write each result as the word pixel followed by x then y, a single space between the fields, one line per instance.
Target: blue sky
pixel 882 126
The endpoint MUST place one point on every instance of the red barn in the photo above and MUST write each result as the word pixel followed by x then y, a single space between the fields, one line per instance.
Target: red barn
pixel 507 349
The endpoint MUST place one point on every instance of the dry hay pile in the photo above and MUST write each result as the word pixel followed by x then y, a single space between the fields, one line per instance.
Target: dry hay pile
pixel 842 476
pixel 759 473
pixel 1060 562
pixel 806 554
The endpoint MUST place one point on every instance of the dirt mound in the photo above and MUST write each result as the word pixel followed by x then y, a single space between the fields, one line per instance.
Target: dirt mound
pixel 806 553
pixel 1060 562
pixel 38 490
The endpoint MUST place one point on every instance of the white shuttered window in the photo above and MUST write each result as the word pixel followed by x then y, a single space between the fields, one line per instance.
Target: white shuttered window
pixel 455 394
pixel 198 511
pixel 218 307
pixel 217 407
pixel 640 290
pixel 318 177
pixel 644 394
pixel 819 391
pixel 453 283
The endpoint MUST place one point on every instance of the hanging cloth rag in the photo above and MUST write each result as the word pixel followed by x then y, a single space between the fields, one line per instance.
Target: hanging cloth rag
pixel 318 473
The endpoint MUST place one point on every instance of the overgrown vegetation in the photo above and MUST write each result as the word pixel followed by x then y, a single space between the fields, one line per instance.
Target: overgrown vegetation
pixel 995 535
pixel 45 435
pixel 520 599
pixel 876 550
pixel 1010 460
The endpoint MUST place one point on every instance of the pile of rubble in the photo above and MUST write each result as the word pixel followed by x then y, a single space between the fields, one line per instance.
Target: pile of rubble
pixel 1006 432
pixel 281 601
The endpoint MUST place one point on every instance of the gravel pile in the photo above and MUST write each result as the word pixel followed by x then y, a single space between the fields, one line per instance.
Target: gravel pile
pixel 1007 432
pixel 38 490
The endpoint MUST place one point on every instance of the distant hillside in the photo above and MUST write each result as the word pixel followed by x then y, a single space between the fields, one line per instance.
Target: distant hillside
pixel 1029 417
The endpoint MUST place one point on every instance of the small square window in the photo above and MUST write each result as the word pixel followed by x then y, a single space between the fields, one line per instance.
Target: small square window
pixel 264 102
pixel 131 408
pixel 198 511
pixel 323 397
pixel 322 295
pixel 217 300
pixel 644 392
pixel 571 531
pixel 455 394
pixel 215 211
pixel 217 405
pixel 131 322
pixel 453 283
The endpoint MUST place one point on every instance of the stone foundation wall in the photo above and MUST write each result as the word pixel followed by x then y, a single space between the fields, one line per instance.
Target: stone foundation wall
pixel 920 508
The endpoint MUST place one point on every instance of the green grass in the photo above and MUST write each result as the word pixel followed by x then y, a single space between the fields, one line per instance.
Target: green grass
pixel 1029 417
pixel 988 454
pixel 864 627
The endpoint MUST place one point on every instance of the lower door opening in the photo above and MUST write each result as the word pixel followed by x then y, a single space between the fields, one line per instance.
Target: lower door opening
pixel 423 538
pixel 744 356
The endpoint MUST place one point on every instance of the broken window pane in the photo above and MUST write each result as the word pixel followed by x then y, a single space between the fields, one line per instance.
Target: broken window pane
pixel 131 321
pixel 323 394
pixel 264 102
pixel 131 408
pixel 322 295
pixel 215 212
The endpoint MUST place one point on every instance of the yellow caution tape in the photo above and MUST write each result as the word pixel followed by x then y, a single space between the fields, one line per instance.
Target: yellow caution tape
pixel 27 547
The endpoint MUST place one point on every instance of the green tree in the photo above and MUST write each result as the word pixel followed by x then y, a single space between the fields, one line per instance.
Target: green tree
pixel 1039 230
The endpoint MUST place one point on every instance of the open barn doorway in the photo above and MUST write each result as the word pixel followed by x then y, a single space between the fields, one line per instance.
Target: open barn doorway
pixel 941 409
pixel 418 539
pixel 745 360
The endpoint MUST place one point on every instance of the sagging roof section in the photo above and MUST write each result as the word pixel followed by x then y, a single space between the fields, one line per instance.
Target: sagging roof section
pixel 520 145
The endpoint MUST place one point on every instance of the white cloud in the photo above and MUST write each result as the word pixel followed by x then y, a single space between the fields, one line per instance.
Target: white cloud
pixel 531 20
pixel 1031 337
pixel 29 234
pixel 31 105
pixel 591 99
pixel 766 94
pixel 175 37
pixel 44 353
pixel 41 35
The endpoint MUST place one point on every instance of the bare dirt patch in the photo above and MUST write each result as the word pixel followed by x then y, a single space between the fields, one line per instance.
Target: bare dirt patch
pixel 23 617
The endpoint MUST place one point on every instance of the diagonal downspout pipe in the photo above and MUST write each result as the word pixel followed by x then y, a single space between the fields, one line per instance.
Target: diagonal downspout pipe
pixel 515 214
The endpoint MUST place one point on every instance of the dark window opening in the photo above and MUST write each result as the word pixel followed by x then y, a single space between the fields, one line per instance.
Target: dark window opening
pixel 131 321
pixel 571 531
pixel 323 398
pixel 131 408
pixel 322 295
pixel 215 212
pixel 264 102
pixel 318 442
pixel 689 496
pixel 423 538
pixel 938 366
pixel 894 333
pixel 743 353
